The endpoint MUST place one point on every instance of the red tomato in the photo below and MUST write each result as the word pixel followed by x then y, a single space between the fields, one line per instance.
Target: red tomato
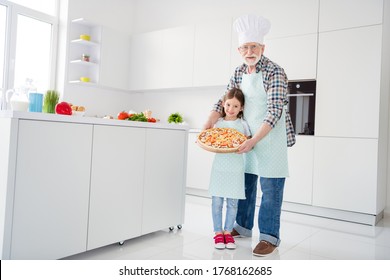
pixel 151 120
pixel 123 115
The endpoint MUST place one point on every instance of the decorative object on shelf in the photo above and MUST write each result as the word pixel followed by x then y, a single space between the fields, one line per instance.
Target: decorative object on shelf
pixel 85 37
pixel 85 57
pixel 85 79
pixel 50 101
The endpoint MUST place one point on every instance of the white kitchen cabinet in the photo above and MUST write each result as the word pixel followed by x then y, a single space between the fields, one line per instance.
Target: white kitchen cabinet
pixel 299 185
pixel 343 14
pixel 177 57
pixel 297 55
pixel 345 175
pixel 212 53
pixel 198 165
pixel 78 47
pixel 164 179
pixel 52 173
pixel 348 82
pixel 72 184
pixel 116 185
pixel 115 59
pixel 157 59
pixel 146 61
pixel 288 18
pixel 235 56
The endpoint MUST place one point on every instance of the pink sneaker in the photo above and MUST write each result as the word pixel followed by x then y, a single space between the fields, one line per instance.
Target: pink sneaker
pixel 219 241
pixel 229 242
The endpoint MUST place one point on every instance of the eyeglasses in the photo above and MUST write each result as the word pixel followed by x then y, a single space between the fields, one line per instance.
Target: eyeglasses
pixel 246 48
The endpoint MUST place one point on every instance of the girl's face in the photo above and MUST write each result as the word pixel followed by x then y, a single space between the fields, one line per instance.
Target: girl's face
pixel 232 108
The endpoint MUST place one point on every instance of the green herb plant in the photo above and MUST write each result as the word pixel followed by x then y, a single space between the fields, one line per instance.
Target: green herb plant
pixel 50 101
pixel 175 118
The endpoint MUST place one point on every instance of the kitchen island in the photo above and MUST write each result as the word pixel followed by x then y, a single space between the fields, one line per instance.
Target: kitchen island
pixel 71 184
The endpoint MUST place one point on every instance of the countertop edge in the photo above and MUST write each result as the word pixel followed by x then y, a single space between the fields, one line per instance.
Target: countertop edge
pixel 87 120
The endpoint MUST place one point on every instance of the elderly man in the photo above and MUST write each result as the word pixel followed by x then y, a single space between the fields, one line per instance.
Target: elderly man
pixel 264 84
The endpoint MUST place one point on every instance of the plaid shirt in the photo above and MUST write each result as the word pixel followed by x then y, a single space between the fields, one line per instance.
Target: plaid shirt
pixel 275 84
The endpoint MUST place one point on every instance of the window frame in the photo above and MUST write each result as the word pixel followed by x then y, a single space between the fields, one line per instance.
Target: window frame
pixel 13 10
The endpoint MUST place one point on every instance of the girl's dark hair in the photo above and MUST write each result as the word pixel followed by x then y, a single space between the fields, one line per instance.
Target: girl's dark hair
pixel 237 93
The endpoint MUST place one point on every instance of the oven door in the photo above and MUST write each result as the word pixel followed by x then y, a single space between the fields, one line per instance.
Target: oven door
pixel 301 105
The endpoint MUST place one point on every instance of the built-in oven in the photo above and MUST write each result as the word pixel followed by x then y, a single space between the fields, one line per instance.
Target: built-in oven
pixel 301 105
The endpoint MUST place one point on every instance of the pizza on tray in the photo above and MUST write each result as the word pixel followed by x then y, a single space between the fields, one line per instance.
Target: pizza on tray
pixel 221 140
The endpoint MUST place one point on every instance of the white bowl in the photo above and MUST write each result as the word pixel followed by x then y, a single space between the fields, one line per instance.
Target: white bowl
pixel 19 105
pixel 78 113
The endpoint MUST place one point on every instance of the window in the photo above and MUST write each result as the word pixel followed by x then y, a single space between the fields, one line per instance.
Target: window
pixel 28 43
pixel 45 6
pixel 3 20
pixel 32 56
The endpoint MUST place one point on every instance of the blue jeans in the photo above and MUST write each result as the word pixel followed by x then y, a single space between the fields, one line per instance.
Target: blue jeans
pixel 231 213
pixel 269 212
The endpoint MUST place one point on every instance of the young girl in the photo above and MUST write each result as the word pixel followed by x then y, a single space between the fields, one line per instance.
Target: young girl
pixel 227 174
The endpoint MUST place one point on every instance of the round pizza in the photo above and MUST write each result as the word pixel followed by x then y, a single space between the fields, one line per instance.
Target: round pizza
pixel 221 140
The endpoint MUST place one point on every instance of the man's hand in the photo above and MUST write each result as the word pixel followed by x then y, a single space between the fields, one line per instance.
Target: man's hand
pixel 213 118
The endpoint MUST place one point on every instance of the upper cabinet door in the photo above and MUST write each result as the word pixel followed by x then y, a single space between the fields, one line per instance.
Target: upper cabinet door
pixel 297 55
pixel 177 57
pixel 348 83
pixel 146 61
pixel 114 59
pixel 341 14
pixel 212 53
pixel 162 59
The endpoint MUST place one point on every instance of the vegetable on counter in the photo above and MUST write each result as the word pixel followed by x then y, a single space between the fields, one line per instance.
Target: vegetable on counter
pixel 123 115
pixel 138 117
pixel 63 108
pixel 50 101
pixel 175 118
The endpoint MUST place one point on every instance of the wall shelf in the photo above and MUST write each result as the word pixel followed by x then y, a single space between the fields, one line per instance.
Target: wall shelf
pixel 78 68
pixel 85 63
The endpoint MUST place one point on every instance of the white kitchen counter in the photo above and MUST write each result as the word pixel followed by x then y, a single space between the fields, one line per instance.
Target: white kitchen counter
pixel 69 184
pixel 87 120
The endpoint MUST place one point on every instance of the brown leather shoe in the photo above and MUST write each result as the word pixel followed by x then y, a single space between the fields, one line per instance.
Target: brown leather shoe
pixel 263 248
pixel 235 233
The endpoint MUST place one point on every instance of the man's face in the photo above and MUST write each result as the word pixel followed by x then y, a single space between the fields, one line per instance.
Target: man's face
pixel 251 53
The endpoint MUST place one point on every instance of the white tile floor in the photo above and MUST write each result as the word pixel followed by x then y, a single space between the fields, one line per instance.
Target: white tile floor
pixel 303 238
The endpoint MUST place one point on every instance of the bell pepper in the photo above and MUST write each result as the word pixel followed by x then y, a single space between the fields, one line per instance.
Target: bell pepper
pixel 63 108
pixel 123 115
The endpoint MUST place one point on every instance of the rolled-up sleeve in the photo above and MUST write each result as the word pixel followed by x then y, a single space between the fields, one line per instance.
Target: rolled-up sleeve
pixel 276 96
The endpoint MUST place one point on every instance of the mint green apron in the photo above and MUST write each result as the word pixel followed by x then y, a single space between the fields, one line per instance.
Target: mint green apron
pixel 271 151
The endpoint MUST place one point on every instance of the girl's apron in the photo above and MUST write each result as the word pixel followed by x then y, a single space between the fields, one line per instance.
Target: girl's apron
pixel 227 173
pixel 271 151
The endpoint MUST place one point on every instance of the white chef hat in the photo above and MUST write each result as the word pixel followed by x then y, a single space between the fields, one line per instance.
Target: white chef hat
pixel 251 28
